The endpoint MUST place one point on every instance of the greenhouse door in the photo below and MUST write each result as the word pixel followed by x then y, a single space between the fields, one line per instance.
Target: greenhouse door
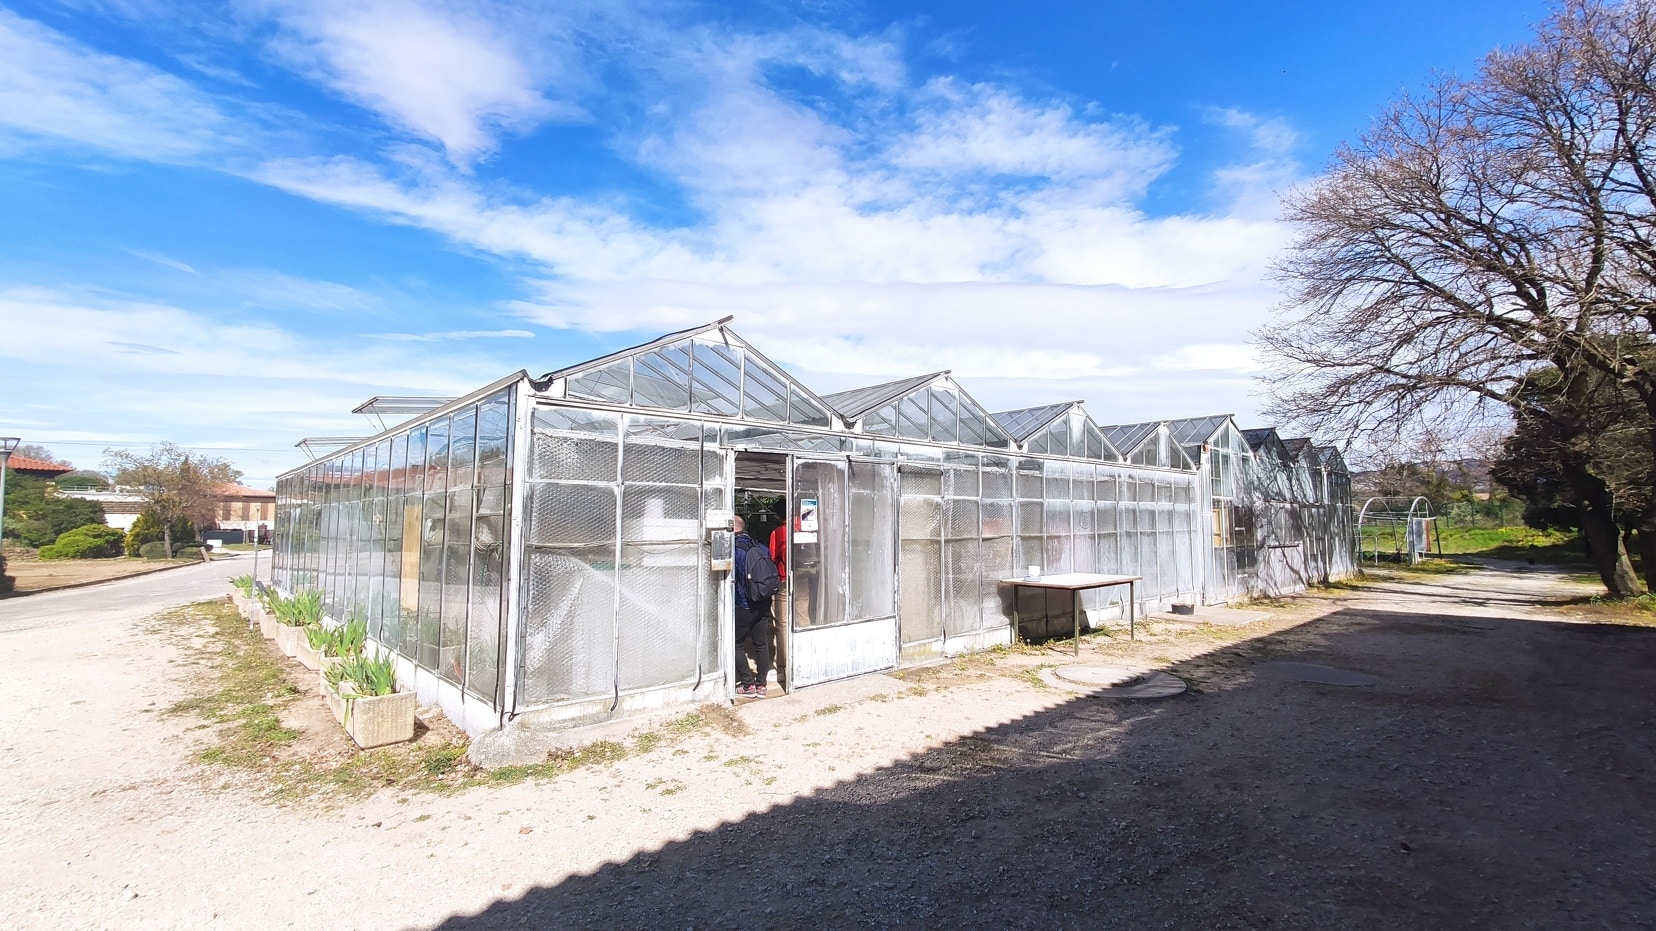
pixel 842 568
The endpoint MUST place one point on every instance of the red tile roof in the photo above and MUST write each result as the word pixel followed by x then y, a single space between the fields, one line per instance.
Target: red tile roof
pixel 37 467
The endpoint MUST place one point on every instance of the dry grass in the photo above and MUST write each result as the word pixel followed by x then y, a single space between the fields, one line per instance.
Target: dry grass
pixel 246 690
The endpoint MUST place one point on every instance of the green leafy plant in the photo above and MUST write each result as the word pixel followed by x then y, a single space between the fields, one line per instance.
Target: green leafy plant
pixel 349 639
pixel 303 609
pixel 146 529
pixel 378 675
pixel 243 584
pixel 93 541
pixel 319 637
pixel 368 675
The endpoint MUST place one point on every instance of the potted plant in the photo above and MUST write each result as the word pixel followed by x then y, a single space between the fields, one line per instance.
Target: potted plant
pixel 242 594
pixel 342 642
pixel 265 609
pixel 312 645
pixel 294 614
pixel 376 713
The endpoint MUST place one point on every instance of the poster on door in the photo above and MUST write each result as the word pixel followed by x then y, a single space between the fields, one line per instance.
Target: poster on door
pixel 807 532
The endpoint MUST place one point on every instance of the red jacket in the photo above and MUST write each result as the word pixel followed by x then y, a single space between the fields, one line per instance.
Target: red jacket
pixel 779 549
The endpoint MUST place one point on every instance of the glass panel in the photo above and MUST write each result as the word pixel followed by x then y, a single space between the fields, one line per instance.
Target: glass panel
pixel 463 450
pixel 974 428
pixel 765 397
pixel 816 566
pixel 457 549
pixel 805 411
pixel 649 457
pixel 483 625
pixel 586 452
pixel 945 419
pixel 882 421
pixel 430 613
pixel 494 427
pixel 912 419
pixel 437 450
pixel 870 561
pixel 662 378
pixel 613 382
pixel 716 387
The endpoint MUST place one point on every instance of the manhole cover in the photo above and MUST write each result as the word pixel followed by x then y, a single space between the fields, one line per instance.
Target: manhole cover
pixel 1097 676
pixel 1115 682
pixel 1322 675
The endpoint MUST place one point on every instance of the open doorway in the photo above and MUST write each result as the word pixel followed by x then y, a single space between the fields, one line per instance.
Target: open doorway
pixel 761 500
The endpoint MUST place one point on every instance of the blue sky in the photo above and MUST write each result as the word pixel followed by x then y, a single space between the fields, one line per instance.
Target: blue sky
pixel 224 225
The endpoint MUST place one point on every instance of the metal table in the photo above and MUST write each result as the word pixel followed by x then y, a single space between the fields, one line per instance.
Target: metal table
pixel 1077 582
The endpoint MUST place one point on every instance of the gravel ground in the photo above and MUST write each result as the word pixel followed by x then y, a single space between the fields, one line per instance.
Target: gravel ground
pixel 1494 777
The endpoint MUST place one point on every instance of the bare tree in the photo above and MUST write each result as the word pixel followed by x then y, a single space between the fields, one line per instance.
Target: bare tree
pixel 1482 233
pixel 174 483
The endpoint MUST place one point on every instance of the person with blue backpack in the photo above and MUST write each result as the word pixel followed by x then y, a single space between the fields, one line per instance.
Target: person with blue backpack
pixel 756 583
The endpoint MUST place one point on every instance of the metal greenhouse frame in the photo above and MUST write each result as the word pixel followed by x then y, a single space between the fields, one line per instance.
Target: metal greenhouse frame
pixel 546 549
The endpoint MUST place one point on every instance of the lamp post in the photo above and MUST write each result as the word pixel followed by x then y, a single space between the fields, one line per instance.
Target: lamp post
pixel 7 444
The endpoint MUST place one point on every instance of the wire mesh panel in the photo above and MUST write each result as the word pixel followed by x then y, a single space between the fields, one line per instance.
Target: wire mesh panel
pixel 568 645
pixel 962 567
pixel 661 530
pixel 919 522
pixel 572 533
pixel 658 619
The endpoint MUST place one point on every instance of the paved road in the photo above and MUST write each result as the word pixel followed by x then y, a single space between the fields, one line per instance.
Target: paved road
pixel 122 599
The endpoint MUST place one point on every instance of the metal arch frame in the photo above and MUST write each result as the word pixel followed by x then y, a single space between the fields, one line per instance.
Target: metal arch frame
pixel 1392 515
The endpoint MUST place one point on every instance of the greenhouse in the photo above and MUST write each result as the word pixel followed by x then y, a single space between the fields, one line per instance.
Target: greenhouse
pixel 556 548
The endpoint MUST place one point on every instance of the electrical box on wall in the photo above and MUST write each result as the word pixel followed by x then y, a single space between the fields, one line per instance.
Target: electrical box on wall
pixel 721 552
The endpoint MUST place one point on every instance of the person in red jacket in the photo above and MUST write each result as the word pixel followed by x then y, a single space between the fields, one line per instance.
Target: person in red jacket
pixel 779 604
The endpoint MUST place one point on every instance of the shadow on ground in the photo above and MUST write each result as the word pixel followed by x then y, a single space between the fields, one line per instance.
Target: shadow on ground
pixel 1497 777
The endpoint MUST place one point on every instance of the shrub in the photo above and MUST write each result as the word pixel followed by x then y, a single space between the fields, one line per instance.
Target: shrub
pixel 146 529
pixel 6 581
pixel 153 550
pixel 35 516
pixel 93 541
pixel 191 551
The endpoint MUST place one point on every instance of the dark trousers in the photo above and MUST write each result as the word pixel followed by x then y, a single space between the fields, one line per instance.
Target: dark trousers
pixel 753 627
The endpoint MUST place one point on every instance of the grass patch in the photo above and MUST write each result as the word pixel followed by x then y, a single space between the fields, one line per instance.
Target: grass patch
pixel 1433 567
pixel 829 709
pixel 247 685
pixel 1032 675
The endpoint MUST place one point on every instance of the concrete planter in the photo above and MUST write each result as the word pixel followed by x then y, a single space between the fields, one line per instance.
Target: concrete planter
pixel 326 663
pixel 336 704
pixel 267 623
pixel 374 721
pixel 241 602
pixel 307 657
pixel 288 638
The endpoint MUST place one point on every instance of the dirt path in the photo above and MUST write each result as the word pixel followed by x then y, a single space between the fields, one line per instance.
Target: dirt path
pixel 1496 776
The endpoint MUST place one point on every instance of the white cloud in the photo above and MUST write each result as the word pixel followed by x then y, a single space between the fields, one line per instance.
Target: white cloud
pixel 1232 357
pixel 52 86
pixel 134 372
pixel 442 72
pixel 1268 134
pixel 451 335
